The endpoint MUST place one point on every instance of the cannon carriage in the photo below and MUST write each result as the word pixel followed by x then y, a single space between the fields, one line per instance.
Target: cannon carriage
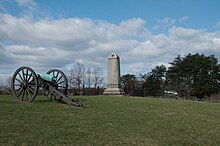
pixel 25 84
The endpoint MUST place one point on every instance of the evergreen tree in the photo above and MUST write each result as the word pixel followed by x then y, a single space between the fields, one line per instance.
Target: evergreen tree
pixel 128 82
pixel 153 85
pixel 196 75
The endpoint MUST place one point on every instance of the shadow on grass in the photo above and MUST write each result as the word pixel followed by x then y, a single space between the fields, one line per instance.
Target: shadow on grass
pixel 42 101
pixel 45 101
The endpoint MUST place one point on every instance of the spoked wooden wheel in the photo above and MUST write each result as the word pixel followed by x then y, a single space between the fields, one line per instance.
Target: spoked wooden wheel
pixel 61 83
pixel 24 84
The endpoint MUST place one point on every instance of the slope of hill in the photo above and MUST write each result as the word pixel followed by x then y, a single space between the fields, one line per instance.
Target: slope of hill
pixel 109 121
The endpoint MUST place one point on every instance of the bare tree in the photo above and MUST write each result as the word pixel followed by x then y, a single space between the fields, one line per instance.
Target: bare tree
pixel 8 82
pixel 88 77
pixel 97 76
pixel 77 76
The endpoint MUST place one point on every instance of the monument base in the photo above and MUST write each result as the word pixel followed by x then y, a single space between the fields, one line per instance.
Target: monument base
pixel 115 90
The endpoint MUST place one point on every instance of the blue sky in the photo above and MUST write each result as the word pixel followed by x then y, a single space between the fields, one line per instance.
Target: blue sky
pixel 144 33
pixel 201 13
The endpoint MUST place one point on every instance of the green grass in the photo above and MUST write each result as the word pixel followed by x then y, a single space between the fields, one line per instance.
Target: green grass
pixel 110 121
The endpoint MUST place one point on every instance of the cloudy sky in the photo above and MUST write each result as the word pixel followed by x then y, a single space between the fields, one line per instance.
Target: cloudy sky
pixel 45 34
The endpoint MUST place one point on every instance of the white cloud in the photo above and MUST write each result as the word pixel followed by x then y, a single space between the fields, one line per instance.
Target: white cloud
pixel 66 32
pixel 164 23
pixel 30 4
pixel 195 41
pixel 183 19
pixel 216 41
pixel 186 33
pixel 47 43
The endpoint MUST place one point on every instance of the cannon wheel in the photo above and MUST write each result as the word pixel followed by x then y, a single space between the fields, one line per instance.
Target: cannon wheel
pixel 24 84
pixel 61 80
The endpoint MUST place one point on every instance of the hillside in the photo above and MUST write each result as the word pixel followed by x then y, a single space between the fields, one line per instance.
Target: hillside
pixel 109 121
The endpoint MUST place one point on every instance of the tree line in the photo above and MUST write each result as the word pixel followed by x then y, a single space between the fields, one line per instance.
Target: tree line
pixel 191 76
pixel 85 80
pixel 82 80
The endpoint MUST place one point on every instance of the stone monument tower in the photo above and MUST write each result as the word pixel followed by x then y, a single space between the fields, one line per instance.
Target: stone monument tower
pixel 114 78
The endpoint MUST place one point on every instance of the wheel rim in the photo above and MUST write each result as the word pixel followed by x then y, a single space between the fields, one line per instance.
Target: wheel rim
pixel 24 84
pixel 61 80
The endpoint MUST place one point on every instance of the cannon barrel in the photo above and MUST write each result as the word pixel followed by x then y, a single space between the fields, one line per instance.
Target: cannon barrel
pixel 47 77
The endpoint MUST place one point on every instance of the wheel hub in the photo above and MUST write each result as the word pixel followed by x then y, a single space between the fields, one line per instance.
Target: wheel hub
pixel 24 85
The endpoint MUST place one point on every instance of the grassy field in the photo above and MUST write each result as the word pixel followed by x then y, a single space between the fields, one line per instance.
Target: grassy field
pixel 110 121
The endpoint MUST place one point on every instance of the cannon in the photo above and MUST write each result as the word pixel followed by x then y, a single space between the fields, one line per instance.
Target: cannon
pixel 25 84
